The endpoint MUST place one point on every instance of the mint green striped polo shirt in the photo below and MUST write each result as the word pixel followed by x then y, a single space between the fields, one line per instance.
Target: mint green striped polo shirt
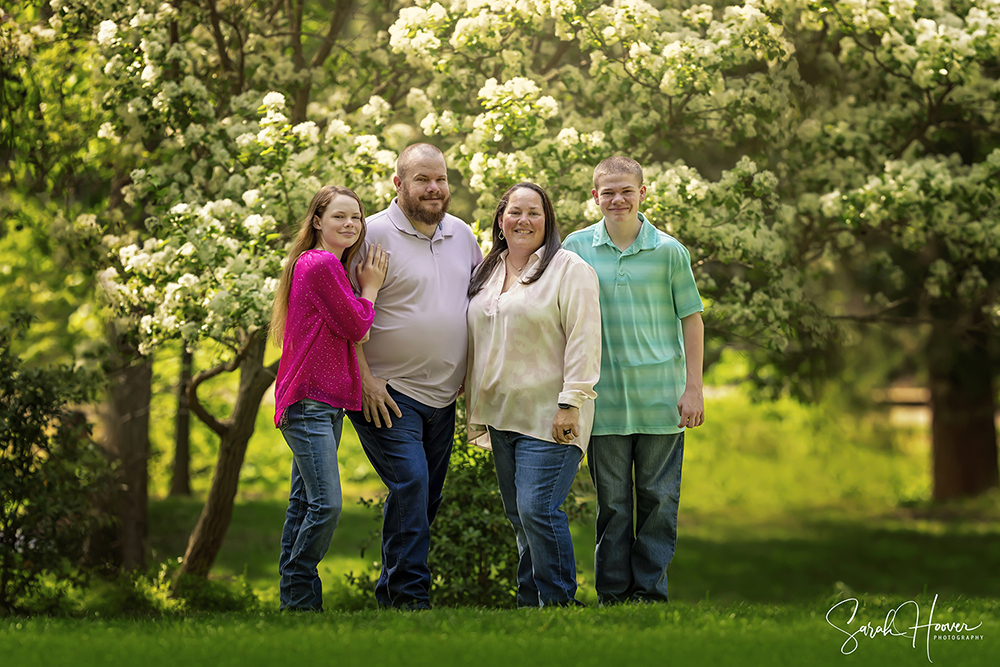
pixel 645 292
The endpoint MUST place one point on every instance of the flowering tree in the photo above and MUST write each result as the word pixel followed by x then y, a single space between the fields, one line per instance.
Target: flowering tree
pixel 222 186
pixel 222 176
pixel 54 176
pixel 896 165
pixel 869 130
pixel 544 90
pixel 856 135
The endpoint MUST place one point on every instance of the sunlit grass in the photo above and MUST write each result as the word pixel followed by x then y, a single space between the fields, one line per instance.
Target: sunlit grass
pixel 701 633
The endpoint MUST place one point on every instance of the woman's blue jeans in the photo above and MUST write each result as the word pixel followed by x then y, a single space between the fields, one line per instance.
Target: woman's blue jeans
pixel 535 477
pixel 631 560
pixel 312 430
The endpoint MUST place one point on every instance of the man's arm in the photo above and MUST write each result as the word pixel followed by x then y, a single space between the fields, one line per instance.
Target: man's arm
pixel 692 403
pixel 375 400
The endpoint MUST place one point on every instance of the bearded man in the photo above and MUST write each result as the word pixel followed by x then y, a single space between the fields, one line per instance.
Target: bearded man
pixel 413 365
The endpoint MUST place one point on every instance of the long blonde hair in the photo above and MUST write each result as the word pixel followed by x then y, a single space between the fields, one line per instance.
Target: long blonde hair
pixel 306 239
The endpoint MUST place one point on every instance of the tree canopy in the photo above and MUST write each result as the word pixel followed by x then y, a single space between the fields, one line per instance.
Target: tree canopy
pixel 790 144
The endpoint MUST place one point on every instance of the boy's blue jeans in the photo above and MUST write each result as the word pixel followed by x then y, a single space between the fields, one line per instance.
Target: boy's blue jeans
pixel 631 561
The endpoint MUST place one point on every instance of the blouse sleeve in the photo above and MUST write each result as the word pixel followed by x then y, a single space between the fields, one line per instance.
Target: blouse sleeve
pixel 580 312
pixel 325 283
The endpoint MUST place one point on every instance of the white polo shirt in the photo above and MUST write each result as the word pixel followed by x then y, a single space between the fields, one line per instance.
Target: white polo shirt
pixel 419 339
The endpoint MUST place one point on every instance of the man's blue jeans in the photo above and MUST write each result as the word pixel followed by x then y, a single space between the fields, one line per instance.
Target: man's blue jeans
pixel 535 477
pixel 631 561
pixel 312 431
pixel 412 460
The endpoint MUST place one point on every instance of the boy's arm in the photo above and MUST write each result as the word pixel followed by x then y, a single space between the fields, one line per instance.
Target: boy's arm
pixel 691 406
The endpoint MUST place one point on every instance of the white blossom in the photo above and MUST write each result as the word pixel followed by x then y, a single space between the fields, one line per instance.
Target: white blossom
pixel 274 100
pixel 107 32
pixel 307 131
pixel 336 129
pixel 254 224
pixel 251 197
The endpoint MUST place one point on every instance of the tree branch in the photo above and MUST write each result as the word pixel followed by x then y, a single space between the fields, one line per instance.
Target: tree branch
pixel 556 57
pixel 298 58
pixel 341 13
pixel 220 40
pixel 221 427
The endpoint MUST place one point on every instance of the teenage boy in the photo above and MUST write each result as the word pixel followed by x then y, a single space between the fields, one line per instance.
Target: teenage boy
pixel 650 389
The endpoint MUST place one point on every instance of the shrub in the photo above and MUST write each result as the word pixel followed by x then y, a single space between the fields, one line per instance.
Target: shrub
pixel 473 556
pixel 52 475
pixel 200 594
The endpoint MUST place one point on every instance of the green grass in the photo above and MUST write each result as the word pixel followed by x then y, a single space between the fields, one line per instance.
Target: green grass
pixel 788 558
pixel 785 511
pixel 677 634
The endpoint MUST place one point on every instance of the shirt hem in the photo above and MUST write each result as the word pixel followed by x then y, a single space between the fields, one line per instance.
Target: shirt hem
pixel 637 431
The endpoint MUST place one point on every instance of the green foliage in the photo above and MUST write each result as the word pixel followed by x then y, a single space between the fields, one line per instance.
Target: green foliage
pixel 779 455
pixel 52 476
pixel 473 555
pixel 201 594
pixel 138 594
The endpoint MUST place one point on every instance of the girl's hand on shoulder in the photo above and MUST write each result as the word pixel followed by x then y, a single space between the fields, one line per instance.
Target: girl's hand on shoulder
pixel 371 272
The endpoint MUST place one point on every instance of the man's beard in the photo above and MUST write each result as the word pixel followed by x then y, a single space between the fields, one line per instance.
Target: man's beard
pixel 412 207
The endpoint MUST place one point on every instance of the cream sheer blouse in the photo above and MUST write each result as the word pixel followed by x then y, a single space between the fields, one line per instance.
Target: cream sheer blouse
pixel 533 347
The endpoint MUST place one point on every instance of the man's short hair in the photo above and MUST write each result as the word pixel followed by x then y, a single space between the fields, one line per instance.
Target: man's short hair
pixel 412 152
pixel 617 164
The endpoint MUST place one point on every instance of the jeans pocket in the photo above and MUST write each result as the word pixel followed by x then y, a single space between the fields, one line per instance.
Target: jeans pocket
pixel 283 422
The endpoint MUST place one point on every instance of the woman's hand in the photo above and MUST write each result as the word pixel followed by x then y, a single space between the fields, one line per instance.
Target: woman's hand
pixel 371 272
pixel 566 425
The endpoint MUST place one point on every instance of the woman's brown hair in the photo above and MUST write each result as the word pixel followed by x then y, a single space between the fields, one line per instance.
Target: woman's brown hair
pixel 494 257
pixel 306 239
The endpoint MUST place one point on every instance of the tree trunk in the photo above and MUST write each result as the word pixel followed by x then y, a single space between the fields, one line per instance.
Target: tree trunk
pixel 128 435
pixel 180 480
pixel 963 402
pixel 206 539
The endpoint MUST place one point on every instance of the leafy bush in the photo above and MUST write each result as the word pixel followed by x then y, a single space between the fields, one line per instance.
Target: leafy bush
pixel 200 594
pixel 52 475
pixel 473 556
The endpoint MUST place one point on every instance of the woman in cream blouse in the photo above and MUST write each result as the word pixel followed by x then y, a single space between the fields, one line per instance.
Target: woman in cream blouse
pixel 534 358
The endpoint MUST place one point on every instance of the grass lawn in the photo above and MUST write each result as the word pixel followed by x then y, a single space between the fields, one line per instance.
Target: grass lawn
pixel 676 634
pixel 786 512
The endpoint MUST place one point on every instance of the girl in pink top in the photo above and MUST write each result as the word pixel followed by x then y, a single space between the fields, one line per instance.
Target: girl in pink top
pixel 317 319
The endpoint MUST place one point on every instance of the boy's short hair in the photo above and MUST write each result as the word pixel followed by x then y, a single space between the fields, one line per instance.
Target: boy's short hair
pixel 617 164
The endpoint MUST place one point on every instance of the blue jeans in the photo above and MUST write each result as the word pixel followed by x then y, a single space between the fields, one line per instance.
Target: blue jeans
pixel 631 562
pixel 535 477
pixel 312 431
pixel 412 460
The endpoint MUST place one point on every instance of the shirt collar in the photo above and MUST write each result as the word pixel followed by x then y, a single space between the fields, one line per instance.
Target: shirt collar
pixel 403 224
pixel 533 259
pixel 646 240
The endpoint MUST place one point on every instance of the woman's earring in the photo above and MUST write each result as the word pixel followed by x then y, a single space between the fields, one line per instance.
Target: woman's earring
pixel 501 235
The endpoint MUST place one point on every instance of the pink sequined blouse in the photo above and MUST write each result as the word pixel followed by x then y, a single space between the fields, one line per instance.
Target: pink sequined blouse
pixel 325 319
